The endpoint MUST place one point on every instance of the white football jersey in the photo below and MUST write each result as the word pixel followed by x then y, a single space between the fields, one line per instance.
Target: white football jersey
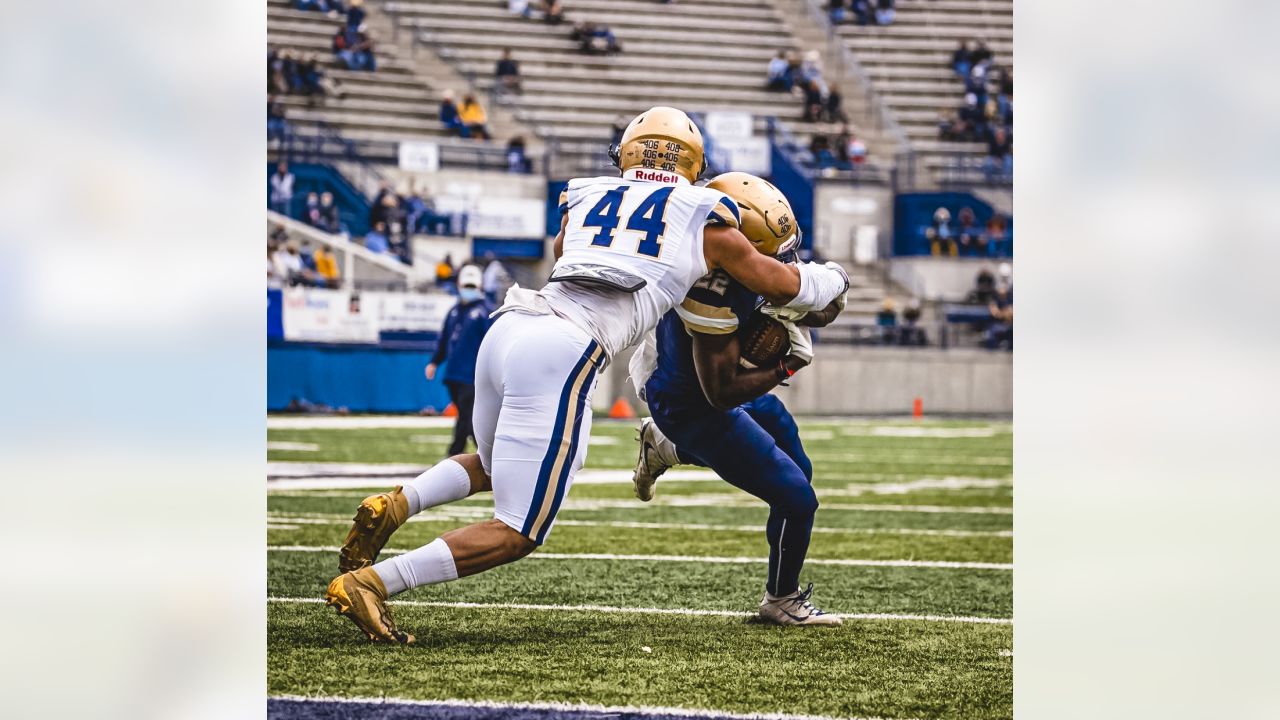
pixel 647 229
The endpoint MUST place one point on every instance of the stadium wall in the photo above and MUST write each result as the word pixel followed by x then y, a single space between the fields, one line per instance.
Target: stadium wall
pixel 941 278
pixel 848 380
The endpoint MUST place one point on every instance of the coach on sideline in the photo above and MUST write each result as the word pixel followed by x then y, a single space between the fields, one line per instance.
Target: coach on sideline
pixel 464 328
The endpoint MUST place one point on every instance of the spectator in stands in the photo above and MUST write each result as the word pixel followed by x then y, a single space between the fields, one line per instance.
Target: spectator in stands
pixel 984 287
pixel 507 72
pixel 619 128
pixel 473 117
pixel 332 7
pixel 311 211
pixel 376 239
pixel 850 151
pixel 833 108
pixel 779 79
pixel 459 344
pixel 910 332
pixel 972 241
pixel 444 272
pixel 496 279
pixel 326 264
pixel 885 12
pixel 974 124
pixel 961 59
pixel 288 262
pixel 999 333
pixel 355 14
pixel 811 69
pixel 449 115
pixel 861 11
pixel 400 244
pixel 997 235
pixel 274 280
pixel 354 48
pixel 596 39
pixel 553 14
pixel 519 7
pixel 939 234
pixel 308 274
pixel 329 220
pixel 517 161
pixel 887 315
pixel 820 149
pixel 981 53
pixel 276 124
pixel 813 101
pixel 836 9
pixel 282 190
pixel 999 163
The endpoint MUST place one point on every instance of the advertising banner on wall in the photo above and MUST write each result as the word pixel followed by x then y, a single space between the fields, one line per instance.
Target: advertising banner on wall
pixel 508 217
pixel 316 315
pixel 319 315
pixel 413 312
pixel 750 155
pixel 419 156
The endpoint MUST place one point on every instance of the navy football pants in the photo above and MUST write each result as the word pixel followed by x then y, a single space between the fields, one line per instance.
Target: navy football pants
pixel 756 447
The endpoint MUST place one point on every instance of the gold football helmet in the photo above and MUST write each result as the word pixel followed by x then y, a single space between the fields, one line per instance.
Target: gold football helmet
pixel 767 218
pixel 661 138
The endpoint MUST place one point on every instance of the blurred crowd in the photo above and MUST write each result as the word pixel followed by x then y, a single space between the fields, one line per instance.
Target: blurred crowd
pixel 297 262
pixel 964 237
pixel 862 12
pixel 985 113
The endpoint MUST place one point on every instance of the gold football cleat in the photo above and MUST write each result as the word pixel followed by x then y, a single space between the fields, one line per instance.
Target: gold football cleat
pixel 376 518
pixel 361 597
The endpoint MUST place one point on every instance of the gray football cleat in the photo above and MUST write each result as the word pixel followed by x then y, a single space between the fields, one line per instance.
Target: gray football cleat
pixel 657 454
pixel 795 609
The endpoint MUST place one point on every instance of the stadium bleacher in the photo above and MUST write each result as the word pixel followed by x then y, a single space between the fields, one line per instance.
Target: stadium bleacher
pixel 909 61
pixel 698 54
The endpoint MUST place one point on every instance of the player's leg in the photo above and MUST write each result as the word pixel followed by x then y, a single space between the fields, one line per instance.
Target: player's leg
pixel 461 424
pixel 545 375
pixel 741 452
pixel 769 412
pixel 451 479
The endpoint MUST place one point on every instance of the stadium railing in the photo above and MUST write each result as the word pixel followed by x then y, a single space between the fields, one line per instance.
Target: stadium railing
pixel 362 269
pixel 327 143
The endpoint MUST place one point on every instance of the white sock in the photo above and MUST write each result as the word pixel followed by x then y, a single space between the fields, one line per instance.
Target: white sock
pixel 430 564
pixel 445 482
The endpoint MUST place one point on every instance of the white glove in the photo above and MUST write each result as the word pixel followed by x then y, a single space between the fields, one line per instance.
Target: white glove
pixel 801 341
pixel 784 314
pixel 819 286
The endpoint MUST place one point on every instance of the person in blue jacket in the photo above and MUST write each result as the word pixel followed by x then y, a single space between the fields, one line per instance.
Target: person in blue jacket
pixel 464 328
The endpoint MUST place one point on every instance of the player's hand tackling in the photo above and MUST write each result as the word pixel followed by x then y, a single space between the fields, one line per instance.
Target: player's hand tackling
pixel 801 352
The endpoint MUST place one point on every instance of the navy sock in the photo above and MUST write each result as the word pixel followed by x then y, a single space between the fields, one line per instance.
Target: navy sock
pixel 788 545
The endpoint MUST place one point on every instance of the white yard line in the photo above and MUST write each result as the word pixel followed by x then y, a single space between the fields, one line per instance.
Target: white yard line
pixel 562 707
pixel 710 559
pixel 663 611
pixel 910 457
pixel 348 422
pixel 900 488
pixel 295 446
pixel 910 431
pixel 321 519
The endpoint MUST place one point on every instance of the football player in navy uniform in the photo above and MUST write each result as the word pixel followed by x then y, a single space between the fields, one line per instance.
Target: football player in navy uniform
pixel 711 408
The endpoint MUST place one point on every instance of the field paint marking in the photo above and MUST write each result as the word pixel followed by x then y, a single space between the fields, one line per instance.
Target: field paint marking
pixel 663 611
pixel 710 559
pixel 900 488
pixel 908 458
pixel 742 500
pixel 909 431
pixel 348 422
pixel 1006 653
pixel 568 707
pixel 296 446
pixel 321 519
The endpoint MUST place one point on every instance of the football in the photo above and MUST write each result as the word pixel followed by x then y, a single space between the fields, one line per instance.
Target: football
pixel 764 341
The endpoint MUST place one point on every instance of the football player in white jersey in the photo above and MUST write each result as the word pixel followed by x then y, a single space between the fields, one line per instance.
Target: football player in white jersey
pixel 629 249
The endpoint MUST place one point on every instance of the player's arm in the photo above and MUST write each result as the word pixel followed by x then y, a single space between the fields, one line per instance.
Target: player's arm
pixel 821 318
pixel 725 382
pixel 558 247
pixel 802 287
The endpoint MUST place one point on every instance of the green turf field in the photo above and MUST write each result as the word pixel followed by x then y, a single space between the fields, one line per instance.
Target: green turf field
pixel 913 543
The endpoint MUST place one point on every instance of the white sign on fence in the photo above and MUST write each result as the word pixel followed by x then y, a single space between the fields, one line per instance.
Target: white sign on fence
pixel 318 315
pixel 419 156
pixel 508 218
pixel 749 155
pixel 729 125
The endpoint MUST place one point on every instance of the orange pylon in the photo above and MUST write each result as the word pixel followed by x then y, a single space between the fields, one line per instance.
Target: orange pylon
pixel 621 409
pixel 450 411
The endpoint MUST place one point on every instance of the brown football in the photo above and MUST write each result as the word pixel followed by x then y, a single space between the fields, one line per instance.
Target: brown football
pixel 763 342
